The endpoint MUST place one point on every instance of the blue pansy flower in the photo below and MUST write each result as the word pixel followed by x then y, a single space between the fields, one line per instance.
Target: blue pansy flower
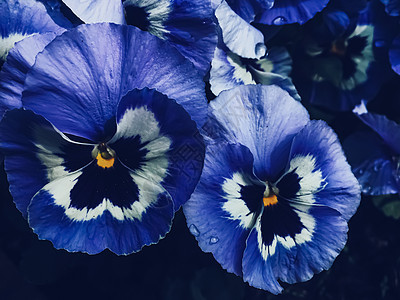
pixel 100 156
pixel 338 73
pixel 276 191
pixel 375 158
pixel 187 25
pixel 242 58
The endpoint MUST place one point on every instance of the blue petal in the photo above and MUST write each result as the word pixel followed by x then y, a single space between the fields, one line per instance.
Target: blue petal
pixel 96 11
pixel 388 130
pixel 290 11
pixel 19 19
pixel 191 29
pixel 239 36
pixel 171 148
pixel 394 55
pixel 229 70
pixel 93 209
pixel 295 257
pixel 35 153
pixel 86 80
pixel 225 204
pixel 244 9
pixel 20 59
pixel 262 118
pixel 325 177
pixel 373 163
pixel 392 7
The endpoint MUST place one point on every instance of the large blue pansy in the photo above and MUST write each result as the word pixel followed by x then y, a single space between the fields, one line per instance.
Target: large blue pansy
pixel 119 193
pixel 187 25
pixel 276 191
pixel 140 158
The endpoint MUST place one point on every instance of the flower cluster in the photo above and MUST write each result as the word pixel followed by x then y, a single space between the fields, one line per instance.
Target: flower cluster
pixel 117 113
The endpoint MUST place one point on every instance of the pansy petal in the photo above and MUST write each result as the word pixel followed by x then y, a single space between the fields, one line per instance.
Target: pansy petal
pixel 170 150
pixel 96 208
pixel 290 11
pixel 244 9
pixel 85 80
pixel 296 257
pixel 392 7
pixel 324 177
pixel 96 11
pixel 22 18
pixel 394 54
pixel 190 28
pixel 20 59
pixel 251 115
pixel 387 129
pixel 238 35
pixel 373 163
pixel 225 204
pixel 35 153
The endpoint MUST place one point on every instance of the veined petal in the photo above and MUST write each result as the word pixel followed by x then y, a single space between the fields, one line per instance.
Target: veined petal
pixel 238 35
pixel 169 148
pixel 292 247
pixel 86 80
pixel 317 163
pixel 22 18
pixel 96 208
pixel 225 204
pixel 387 129
pixel 251 115
pixel 20 59
pixel 97 11
pixel 35 154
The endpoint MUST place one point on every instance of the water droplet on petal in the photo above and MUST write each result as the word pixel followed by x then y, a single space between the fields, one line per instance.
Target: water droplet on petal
pixel 366 188
pixel 193 230
pixel 214 240
pixel 279 21
pixel 360 172
pixel 377 168
pixel 260 50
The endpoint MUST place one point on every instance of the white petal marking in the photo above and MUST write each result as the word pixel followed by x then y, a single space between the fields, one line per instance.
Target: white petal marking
pixel 7 43
pixel 158 12
pixel 234 205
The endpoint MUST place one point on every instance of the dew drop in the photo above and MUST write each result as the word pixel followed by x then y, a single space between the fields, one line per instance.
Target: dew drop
pixel 260 50
pixel 213 240
pixel 193 230
pixel 279 21
pixel 377 168
pixel 360 172
pixel 366 188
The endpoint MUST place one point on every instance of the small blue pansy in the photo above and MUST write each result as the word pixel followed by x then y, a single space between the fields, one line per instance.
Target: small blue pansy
pixel 377 165
pixel 337 73
pixel 100 156
pixel 276 191
pixel 187 25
